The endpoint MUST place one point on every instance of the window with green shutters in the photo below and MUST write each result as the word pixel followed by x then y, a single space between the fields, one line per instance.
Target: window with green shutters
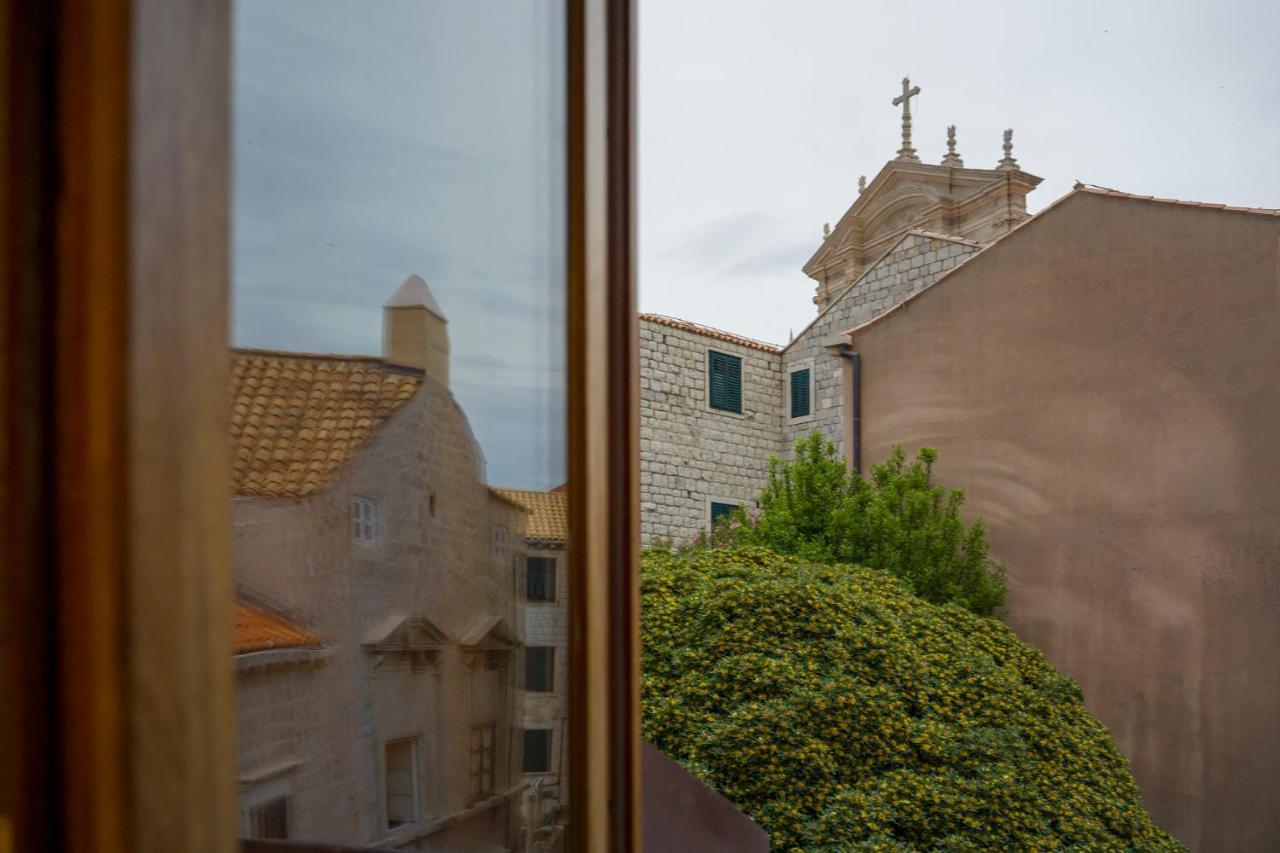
pixel 800 405
pixel 724 379
pixel 719 511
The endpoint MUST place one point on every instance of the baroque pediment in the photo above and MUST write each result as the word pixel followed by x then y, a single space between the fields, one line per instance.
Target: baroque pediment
pixel 406 634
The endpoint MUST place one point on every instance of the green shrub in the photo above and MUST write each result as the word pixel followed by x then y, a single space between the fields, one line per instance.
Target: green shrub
pixel 843 713
pixel 898 520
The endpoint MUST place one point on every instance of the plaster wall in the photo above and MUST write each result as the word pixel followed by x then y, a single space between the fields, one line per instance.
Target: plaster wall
pixel 1103 384
pixel 333 720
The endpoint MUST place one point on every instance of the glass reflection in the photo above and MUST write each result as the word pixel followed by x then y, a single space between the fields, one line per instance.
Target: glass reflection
pixel 399 518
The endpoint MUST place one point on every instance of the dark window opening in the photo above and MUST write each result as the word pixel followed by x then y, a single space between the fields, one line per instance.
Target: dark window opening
pixel 537 751
pixel 540 579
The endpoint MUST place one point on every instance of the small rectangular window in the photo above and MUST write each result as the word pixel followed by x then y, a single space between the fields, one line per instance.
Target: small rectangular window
pixel 539 669
pixel 483 737
pixel 724 381
pixel 537 751
pixel 800 405
pixel 540 580
pixel 720 510
pixel 402 782
pixel 365 524
pixel 270 819
pixel 500 544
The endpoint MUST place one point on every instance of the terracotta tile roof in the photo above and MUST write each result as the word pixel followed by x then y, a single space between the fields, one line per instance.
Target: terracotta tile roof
pixel 548 512
pixel 296 418
pixel 1107 191
pixel 699 329
pixel 258 630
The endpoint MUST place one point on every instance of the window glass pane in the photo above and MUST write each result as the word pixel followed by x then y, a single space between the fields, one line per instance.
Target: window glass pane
pixel 398 398
pixel 537 751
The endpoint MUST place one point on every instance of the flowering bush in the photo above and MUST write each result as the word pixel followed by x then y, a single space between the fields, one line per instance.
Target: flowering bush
pixel 898 520
pixel 843 713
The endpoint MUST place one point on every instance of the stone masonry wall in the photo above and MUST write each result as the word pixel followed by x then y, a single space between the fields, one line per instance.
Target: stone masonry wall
pixel 689 452
pixel 914 264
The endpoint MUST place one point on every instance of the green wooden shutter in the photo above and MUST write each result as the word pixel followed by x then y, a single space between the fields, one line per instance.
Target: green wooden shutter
pixel 725 381
pixel 800 393
pixel 719 511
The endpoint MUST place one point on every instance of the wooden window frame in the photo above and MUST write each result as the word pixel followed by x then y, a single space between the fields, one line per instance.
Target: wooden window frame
pixel 114 232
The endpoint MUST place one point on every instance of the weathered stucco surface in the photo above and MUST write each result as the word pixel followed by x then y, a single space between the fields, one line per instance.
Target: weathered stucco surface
pixel 1105 384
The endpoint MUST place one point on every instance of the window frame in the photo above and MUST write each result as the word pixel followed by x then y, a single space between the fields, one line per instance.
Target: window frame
pixel 708 521
pixel 550 768
pixel 553 570
pixel 791 369
pixel 120 178
pixel 740 361
pixel 549 652
pixel 415 777
pixel 362 505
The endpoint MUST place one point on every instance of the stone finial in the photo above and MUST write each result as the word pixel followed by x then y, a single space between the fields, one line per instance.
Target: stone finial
pixel 826 230
pixel 951 158
pixel 862 184
pixel 906 152
pixel 1008 162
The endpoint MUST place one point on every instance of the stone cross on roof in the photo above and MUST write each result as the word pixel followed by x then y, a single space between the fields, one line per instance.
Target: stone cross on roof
pixel 906 152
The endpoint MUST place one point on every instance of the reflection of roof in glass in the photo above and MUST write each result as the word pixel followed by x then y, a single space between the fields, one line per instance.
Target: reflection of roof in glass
pixel 548 512
pixel 257 631
pixel 297 418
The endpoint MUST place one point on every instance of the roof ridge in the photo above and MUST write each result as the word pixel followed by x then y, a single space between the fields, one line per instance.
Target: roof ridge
pixel 710 331
pixel 330 356
pixel 1094 189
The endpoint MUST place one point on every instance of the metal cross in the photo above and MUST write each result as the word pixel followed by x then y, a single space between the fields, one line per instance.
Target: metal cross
pixel 906 152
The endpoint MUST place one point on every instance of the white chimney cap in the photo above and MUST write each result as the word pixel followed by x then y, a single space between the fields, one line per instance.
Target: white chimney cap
pixel 414 293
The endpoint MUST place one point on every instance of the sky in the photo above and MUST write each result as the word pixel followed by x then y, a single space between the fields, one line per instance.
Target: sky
pixel 756 118
pixel 428 138
pixel 372 141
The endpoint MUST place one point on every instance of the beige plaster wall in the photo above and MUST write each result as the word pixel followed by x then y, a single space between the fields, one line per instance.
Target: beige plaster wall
pixel 1105 384
pixel 332 720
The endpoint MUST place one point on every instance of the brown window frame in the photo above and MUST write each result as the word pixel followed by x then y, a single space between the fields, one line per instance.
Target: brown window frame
pixel 114 227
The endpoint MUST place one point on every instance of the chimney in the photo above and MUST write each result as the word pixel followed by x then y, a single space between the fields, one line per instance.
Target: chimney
pixel 414 330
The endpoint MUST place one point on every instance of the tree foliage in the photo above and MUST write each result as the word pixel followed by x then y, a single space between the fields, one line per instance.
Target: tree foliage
pixel 843 713
pixel 898 521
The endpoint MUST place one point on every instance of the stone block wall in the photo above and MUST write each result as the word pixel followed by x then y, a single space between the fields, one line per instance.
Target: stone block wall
pixel 915 263
pixel 689 452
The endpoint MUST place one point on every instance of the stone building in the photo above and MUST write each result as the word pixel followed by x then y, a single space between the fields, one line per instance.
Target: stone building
pixel 703 449
pixel 378 662
pixel 542 619
pixel 1101 379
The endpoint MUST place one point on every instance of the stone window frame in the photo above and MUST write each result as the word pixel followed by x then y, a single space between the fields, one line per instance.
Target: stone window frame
pixel 706 515
pixel 550 671
pixel 551 751
pixel 723 349
pixel 261 794
pixel 554 560
pixel 795 367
